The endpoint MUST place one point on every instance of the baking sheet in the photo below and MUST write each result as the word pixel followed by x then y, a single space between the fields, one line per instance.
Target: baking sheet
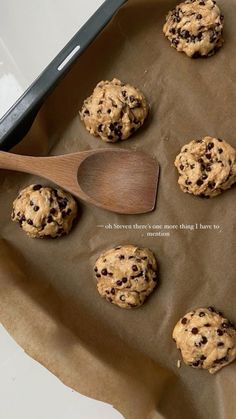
pixel 48 297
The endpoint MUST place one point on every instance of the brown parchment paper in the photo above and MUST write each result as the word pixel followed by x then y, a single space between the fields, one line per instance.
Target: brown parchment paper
pixel 48 298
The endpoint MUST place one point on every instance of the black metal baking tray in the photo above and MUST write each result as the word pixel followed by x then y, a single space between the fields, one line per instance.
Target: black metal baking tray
pixel 17 121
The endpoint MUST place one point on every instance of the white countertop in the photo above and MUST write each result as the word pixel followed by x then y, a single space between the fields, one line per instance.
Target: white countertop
pixel 29 390
pixel 32 33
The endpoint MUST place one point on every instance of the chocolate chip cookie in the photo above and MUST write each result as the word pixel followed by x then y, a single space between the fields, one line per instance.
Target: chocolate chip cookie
pixel 195 27
pixel 206 167
pixel 206 339
pixel 114 111
pixel 126 275
pixel 44 212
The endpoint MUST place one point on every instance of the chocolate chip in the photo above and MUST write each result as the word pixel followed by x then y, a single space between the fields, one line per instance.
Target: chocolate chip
pixel 220 360
pixel 49 219
pixel 37 187
pixel 220 344
pixel 62 204
pixel 196 55
pixel 139 275
pixel 199 182
pixel 132 99
pixel 98 275
pixel 220 332
pixel 200 160
pixel 194 330
pixel 184 34
pixel 109 111
pixel 86 112
pixel 202 314
pixel 204 340
pixel 196 363
pixel 175 42
pixel 184 320
pixel 104 272
pixel 210 146
pixel 211 185
pixel 199 16
pixel 225 325
pixel 172 30
pixel 212 309
pixel 110 274
pixel 113 291
pixel 100 128
pixel 204 176
pixel 119 282
pixel 36 208
pixel 181 167
pixel 144 258
pixel 64 214
pixel 121 257
pixel 52 211
pixel 134 268
pixel 30 222
pixel 111 126
pixel 110 137
pixel 220 150
pixel 124 280
pixel 95 269
pixel 230 162
pixel 31 203
pixel 131 257
pixel 208 168
pixel 207 325
pixel 208 156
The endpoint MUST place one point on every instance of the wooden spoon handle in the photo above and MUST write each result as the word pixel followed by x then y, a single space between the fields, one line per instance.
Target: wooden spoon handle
pixel 48 167
pixel 59 169
pixel 19 163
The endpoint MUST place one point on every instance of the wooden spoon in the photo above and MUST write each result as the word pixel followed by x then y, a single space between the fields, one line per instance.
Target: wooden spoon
pixel 121 181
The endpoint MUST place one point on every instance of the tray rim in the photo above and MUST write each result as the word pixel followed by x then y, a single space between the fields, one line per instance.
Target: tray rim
pixel 16 122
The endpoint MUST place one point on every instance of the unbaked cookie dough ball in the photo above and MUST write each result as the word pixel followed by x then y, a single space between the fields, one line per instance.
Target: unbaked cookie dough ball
pixel 206 167
pixel 114 111
pixel 206 339
pixel 126 275
pixel 195 27
pixel 44 212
